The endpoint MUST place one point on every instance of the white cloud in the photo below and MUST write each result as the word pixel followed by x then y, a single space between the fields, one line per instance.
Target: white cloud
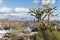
pixel 15 16
pixel 36 1
pixel 3 16
pixel 10 10
pixel 53 2
pixel 15 13
pixel 21 10
pixel 5 10
pixel 46 2
pixel 1 1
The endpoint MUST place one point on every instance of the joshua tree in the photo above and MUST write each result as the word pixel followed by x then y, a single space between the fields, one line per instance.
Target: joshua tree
pixel 36 13
pixel 42 13
pixel 45 27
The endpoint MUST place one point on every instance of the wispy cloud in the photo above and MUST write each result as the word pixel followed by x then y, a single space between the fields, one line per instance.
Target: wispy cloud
pixel 1 1
pixel 21 10
pixel 35 1
pixel 15 13
pixel 15 10
pixel 46 2
pixel 15 16
pixel 5 10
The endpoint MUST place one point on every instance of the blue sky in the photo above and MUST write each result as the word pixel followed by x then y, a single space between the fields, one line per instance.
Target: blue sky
pixel 18 3
pixel 16 9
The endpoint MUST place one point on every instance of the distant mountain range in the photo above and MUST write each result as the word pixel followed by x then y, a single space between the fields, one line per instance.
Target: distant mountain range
pixel 25 20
